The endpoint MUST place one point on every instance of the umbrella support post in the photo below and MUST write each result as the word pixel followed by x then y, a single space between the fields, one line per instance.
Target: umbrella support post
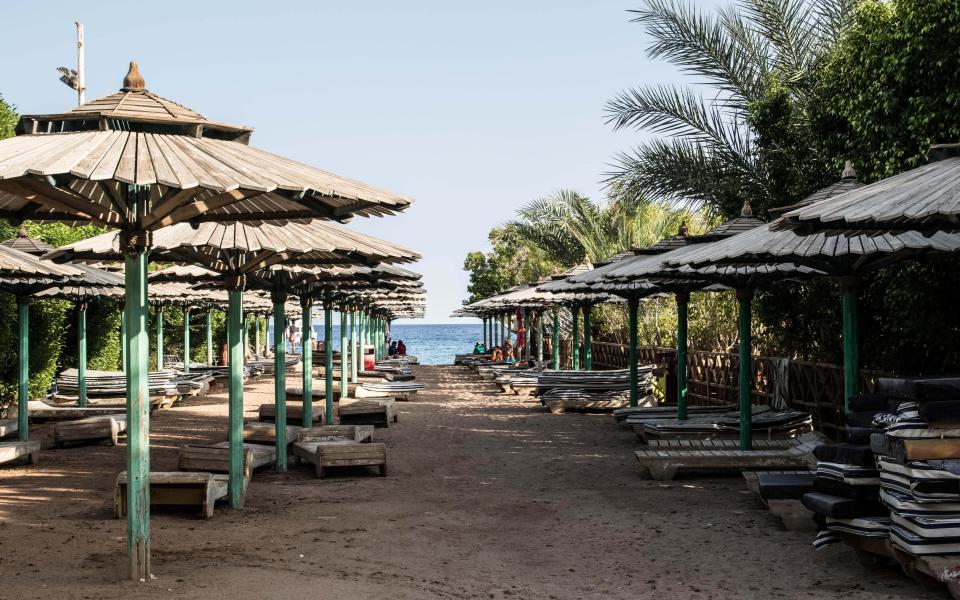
pixel 210 338
pixel 556 338
pixel 23 378
pixel 235 419
pixel 82 354
pixel 575 353
pixel 540 336
pixel 633 304
pixel 587 344
pixel 137 344
pixel 186 339
pixel 353 346
pixel 527 335
pixel 307 345
pixel 280 380
pixel 256 336
pixel 745 297
pixel 683 300
pixel 851 341
pixel 344 370
pixel 123 338
pixel 328 362
pixel 159 316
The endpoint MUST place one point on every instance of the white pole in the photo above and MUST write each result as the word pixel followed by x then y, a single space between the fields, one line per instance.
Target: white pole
pixel 81 86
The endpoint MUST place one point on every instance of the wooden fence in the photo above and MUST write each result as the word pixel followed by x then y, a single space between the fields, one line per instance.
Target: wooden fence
pixel 816 388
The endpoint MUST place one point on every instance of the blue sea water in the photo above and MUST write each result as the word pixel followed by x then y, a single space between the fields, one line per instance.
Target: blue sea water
pixel 431 344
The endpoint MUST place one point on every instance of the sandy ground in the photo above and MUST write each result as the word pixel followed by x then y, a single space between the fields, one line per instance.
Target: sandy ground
pixel 487 497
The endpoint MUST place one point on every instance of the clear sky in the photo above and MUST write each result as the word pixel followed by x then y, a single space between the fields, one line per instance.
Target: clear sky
pixel 471 108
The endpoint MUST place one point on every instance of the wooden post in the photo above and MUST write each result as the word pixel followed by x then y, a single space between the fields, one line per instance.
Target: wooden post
pixel 159 315
pixel 587 343
pixel 849 287
pixel 510 327
pixel 575 354
pixel 344 369
pixel 354 367
pixel 23 380
pixel 256 336
pixel 137 344
pixel 633 304
pixel 556 338
pixel 503 329
pixel 306 307
pixel 328 361
pixel 210 337
pixel 186 339
pixel 82 353
pixel 744 297
pixel 235 401
pixel 683 300
pixel 540 336
pixel 486 347
pixel 280 378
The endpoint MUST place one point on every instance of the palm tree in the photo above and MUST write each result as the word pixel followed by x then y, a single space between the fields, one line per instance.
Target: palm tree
pixel 709 156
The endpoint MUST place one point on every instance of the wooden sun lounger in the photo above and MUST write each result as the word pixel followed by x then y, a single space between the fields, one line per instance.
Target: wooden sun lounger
pixel 266 433
pixel 91 429
pixel 944 569
pixel 792 513
pixel 176 488
pixel 8 427
pixel 328 433
pixel 562 405
pixel 694 445
pixel 369 411
pixel 268 413
pixel 664 464
pixel 343 453
pixel 38 410
pixel 215 458
pixel 10 451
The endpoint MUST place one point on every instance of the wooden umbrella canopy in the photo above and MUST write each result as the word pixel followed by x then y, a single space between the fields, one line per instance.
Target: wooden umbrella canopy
pixel 137 162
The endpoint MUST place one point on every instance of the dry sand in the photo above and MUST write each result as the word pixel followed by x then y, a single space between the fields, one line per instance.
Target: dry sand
pixel 487 497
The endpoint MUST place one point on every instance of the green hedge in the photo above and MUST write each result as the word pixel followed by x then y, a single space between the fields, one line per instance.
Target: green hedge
pixel 48 324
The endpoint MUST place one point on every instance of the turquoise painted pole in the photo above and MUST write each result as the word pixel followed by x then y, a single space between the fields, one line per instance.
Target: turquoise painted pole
pixel 23 380
pixel 123 338
pixel 510 326
pixel 344 370
pixel 576 339
pixel 587 342
pixel 556 338
pixel 159 316
pixel 82 354
pixel 245 323
pixel 328 361
pixel 540 336
pixel 683 300
pixel 503 329
pixel 280 379
pixel 186 339
pixel 235 418
pixel 137 343
pixel 851 340
pixel 210 338
pixel 633 304
pixel 486 344
pixel 354 367
pixel 306 307
pixel 744 297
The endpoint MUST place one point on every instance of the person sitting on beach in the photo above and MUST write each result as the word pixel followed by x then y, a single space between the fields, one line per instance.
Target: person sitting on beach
pixel 401 348
pixel 393 349
pixel 510 358
pixel 497 355
pixel 478 348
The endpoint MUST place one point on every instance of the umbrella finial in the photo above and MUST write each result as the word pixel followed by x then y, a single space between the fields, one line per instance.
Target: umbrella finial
pixel 133 82
pixel 746 211
pixel 848 171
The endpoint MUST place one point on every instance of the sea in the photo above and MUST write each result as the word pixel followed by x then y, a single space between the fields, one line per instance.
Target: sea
pixel 435 344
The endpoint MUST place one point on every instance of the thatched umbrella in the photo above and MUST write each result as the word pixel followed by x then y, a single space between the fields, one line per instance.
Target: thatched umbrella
pixel 24 276
pixel 137 162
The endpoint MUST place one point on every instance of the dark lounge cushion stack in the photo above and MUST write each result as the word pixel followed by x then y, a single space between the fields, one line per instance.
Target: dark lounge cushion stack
pixel 919 460
pixel 846 496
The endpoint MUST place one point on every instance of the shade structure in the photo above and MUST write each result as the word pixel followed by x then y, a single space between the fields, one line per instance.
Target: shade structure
pixel 923 199
pixel 142 166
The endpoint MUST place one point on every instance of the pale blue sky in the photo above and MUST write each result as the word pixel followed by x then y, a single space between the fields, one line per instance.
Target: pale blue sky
pixel 471 108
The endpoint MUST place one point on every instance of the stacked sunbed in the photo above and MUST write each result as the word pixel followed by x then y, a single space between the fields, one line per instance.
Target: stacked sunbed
pixel 765 423
pixel 106 386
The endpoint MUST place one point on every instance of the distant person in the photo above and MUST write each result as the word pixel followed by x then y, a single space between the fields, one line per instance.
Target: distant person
pixel 497 355
pixel 478 348
pixel 393 349
pixel 401 348
pixel 510 358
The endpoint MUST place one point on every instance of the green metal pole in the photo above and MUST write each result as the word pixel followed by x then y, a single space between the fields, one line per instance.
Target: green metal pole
pixel 576 339
pixel 123 337
pixel 486 345
pixel 633 304
pixel 280 379
pixel 354 367
pixel 744 297
pixel 556 338
pixel 159 316
pixel 328 361
pixel 186 339
pixel 210 338
pixel 503 329
pixel 245 324
pixel 306 306
pixel 683 300
pixel 851 341
pixel 344 370
pixel 235 418
pixel 510 325
pixel 256 336
pixel 23 381
pixel 137 343
pixel 587 343
pixel 540 336
pixel 82 354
